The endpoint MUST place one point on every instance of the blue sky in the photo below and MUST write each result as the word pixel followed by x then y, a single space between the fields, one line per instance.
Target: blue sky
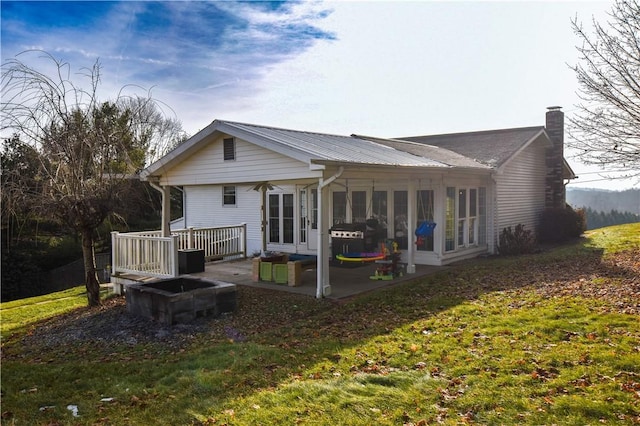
pixel 378 67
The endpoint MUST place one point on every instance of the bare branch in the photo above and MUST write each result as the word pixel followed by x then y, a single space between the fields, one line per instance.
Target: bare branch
pixel 605 129
pixel 85 148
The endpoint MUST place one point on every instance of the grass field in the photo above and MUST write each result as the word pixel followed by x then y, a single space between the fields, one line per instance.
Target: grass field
pixel 550 338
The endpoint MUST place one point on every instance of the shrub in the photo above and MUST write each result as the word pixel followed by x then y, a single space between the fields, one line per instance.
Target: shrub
pixel 561 224
pixel 518 241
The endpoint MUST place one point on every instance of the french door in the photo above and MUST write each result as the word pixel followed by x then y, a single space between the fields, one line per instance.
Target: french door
pixel 308 228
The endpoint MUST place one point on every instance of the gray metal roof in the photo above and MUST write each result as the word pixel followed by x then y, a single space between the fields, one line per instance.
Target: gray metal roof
pixel 477 150
pixel 429 151
pixel 491 147
pixel 320 147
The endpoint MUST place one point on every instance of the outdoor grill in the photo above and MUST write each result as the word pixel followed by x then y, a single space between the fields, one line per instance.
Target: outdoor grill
pixel 347 238
pixel 353 238
pixel 348 231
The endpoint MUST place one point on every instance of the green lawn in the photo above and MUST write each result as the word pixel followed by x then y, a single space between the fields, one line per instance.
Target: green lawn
pixel 550 338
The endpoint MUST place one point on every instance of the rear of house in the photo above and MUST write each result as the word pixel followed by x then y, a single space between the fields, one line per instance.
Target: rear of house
pixel 291 188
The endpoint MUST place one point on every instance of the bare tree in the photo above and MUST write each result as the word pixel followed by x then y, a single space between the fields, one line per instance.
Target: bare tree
pixel 605 130
pixel 163 133
pixel 19 167
pixel 88 150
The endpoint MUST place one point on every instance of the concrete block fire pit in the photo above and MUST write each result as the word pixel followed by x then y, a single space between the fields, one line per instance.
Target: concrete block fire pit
pixel 181 299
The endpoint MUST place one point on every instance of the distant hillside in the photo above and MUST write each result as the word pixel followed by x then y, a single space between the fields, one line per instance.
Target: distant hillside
pixel 604 201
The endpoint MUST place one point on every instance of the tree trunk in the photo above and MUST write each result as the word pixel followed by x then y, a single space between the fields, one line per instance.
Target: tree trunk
pixel 90 273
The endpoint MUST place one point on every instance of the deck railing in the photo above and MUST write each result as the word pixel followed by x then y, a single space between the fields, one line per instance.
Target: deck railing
pixel 144 254
pixel 217 243
pixel 149 254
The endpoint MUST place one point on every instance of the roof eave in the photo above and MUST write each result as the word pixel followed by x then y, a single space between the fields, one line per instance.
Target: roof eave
pixel 568 172
pixel 443 167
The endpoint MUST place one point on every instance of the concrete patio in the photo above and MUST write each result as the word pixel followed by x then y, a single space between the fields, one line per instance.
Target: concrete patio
pixel 345 281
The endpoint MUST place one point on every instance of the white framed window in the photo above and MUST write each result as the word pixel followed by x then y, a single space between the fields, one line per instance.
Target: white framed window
pixel 229 149
pixel 424 212
pixel 281 218
pixel 228 195
pixel 339 207
pixel 303 216
pixel 465 217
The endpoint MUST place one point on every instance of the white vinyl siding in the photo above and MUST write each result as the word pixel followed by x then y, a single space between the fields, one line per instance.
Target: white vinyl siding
pixel 520 189
pixel 252 164
pixel 203 208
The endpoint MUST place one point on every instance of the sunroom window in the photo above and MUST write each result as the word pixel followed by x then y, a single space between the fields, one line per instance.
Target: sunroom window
pixel 466 217
pixel 424 214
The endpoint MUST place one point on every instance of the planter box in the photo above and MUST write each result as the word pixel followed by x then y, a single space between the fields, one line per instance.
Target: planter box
pixel 280 273
pixel 266 271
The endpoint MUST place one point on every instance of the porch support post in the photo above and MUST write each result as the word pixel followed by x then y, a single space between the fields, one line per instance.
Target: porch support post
pixel 323 286
pixel 411 219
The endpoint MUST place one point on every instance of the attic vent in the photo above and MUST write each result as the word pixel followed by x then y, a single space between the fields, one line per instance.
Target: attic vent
pixel 229 149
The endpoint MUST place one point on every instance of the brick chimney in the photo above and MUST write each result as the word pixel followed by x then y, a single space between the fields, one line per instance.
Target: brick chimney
pixel 555 190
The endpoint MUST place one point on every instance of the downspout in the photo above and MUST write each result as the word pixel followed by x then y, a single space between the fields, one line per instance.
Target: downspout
pixel 322 271
pixel 166 210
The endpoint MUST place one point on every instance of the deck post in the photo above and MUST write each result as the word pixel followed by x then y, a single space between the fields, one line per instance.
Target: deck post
pixel 114 252
pixel 244 239
pixel 173 252
pixel 190 239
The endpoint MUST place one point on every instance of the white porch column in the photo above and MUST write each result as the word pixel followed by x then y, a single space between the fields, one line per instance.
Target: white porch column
pixel 323 286
pixel 411 219
pixel 323 283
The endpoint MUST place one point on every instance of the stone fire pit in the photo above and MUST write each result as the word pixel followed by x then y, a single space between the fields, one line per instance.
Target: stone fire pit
pixel 181 299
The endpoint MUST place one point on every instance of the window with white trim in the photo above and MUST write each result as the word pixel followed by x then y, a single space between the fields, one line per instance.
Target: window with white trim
pixel 281 218
pixel 339 207
pixel 228 195
pixel 424 213
pixel 465 217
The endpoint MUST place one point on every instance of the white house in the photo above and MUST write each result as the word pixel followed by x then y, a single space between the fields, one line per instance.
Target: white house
pixel 471 185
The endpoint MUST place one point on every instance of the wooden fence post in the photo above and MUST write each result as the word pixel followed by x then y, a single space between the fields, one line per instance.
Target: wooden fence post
pixel 174 254
pixel 190 239
pixel 114 252
pixel 244 239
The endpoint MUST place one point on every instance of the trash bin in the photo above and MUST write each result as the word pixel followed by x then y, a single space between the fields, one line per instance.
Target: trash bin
pixel 190 260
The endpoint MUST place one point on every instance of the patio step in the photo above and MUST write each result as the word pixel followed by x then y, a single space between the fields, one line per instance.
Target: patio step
pixel 120 282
